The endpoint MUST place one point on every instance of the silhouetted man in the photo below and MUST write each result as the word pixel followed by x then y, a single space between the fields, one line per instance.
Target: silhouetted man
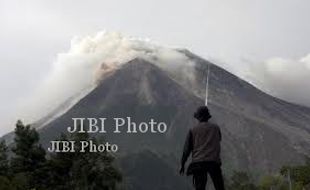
pixel 203 142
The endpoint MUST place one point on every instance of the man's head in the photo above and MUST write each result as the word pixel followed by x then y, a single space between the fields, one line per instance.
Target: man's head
pixel 202 114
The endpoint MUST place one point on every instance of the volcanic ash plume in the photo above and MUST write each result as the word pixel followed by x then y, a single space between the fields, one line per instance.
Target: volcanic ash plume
pixel 92 58
pixel 287 78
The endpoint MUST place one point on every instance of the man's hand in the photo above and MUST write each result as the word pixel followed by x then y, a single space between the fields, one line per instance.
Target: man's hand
pixel 181 170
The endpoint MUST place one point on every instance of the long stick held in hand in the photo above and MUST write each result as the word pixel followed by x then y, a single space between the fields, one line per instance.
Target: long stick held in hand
pixel 207 84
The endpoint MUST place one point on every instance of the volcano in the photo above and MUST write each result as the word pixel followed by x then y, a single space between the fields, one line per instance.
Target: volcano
pixel 261 133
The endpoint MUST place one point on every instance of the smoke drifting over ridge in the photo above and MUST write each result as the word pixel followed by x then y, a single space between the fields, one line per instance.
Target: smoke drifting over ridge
pixel 284 78
pixel 287 79
pixel 90 59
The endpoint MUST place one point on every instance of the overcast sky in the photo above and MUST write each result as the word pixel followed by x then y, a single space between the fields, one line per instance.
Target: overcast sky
pixel 259 40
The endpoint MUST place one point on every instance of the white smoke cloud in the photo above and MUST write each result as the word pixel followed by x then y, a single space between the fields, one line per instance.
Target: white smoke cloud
pixel 90 58
pixel 284 78
pixel 94 57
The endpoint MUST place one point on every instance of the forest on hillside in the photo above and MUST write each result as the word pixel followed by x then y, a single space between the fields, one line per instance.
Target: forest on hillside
pixel 27 166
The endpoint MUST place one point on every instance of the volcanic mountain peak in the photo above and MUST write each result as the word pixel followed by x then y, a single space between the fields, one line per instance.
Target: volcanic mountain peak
pixel 144 80
pixel 260 133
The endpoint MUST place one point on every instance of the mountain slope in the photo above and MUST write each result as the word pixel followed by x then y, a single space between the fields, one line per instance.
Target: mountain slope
pixel 260 132
pixel 139 90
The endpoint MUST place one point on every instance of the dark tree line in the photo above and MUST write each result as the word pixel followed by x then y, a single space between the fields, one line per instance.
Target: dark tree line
pixel 28 167
pixel 288 178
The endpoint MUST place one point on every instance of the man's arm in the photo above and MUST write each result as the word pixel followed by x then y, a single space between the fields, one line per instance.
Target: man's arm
pixel 188 147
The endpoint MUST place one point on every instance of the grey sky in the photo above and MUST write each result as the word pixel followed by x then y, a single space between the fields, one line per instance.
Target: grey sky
pixel 239 34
